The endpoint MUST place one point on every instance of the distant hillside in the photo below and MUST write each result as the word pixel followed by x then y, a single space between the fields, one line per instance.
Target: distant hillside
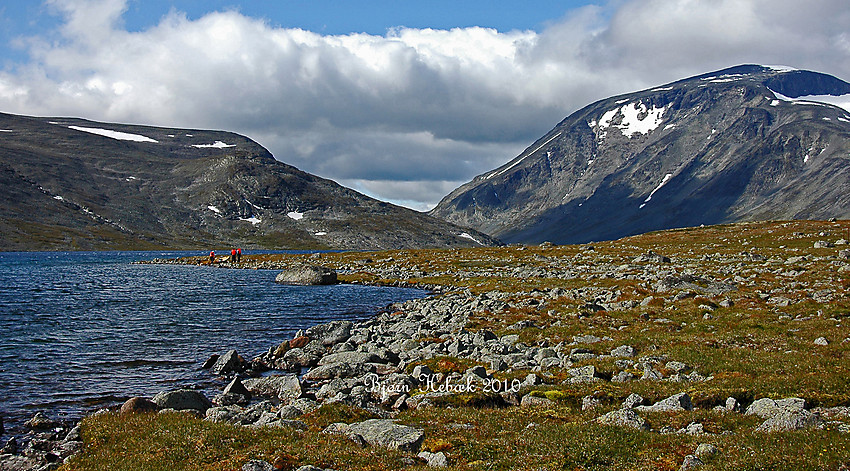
pixel 742 144
pixel 71 184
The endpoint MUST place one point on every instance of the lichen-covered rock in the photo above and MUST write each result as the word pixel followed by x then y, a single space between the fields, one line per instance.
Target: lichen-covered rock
pixel 136 405
pixel 386 433
pixel 624 418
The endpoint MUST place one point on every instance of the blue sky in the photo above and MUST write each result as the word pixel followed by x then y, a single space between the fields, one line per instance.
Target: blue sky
pixel 401 100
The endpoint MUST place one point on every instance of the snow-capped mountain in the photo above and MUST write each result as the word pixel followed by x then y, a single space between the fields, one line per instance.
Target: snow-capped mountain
pixel 746 143
pixel 71 184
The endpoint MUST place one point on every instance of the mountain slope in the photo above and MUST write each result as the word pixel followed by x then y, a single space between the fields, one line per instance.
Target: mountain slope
pixel 733 145
pixel 74 184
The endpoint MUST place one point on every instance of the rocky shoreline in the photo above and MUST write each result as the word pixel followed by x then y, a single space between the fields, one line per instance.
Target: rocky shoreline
pixel 381 365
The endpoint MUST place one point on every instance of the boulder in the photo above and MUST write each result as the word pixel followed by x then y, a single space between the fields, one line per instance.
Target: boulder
pixel 136 405
pixel 676 402
pixel 533 401
pixel 228 363
pixel 307 275
pixel 331 333
pixel 386 433
pixel 182 399
pixel 766 407
pixel 283 387
pixel 40 421
pixel 257 465
pixel 623 418
pixel 236 387
pixel 435 460
pixel 786 421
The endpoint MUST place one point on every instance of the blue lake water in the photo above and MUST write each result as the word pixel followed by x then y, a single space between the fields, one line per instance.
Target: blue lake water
pixel 82 330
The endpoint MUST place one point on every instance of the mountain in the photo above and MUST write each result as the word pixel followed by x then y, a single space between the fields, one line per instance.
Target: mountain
pixel 741 144
pixel 72 184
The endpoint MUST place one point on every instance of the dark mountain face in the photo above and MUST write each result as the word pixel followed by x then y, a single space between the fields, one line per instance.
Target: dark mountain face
pixel 72 184
pixel 733 145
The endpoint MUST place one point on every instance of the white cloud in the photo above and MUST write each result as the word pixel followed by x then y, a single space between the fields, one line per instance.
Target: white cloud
pixel 404 113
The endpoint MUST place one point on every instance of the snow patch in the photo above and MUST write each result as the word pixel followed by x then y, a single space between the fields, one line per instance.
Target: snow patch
pixel 57 197
pixel 7 130
pixel 469 236
pixel 295 215
pixel 780 68
pixel 253 220
pixel 214 209
pixel 841 101
pixel 320 233
pixel 121 136
pixel 129 179
pixel 215 145
pixel 662 89
pixel 663 182
pixel 632 122
pixel 620 102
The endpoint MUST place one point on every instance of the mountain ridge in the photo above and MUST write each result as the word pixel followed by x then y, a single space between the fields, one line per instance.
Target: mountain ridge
pixel 715 148
pixel 75 184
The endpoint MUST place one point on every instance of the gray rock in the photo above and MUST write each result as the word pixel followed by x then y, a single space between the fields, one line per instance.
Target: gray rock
pixel 766 407
pixel 623 418
pixel 386 433
pixel 41 421
pixel 624 351
pixel 231 399
pixel 435 460
pixel 236 387
pixel 331 333
pixel 335 370
pixel 822 341
pixel 785 421
pixel 676 402
pixel 533 401
pixel 182 399
pixel 228 363
pixel 632 401
pixel 283 387
pixel 348 357
pixel 225 414
pixel 693 428
pixel 307 275
pixel 691 462
pixel 589 403
pixel 706 451
pixel 257 465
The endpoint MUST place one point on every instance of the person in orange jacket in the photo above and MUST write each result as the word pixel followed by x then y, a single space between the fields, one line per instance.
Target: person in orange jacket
pixel 212 256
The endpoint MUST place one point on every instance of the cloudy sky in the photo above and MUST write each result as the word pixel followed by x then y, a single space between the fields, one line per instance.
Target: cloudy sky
pixel 402 100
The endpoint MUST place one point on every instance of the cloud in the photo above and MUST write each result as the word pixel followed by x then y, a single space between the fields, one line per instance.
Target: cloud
pixel 403 114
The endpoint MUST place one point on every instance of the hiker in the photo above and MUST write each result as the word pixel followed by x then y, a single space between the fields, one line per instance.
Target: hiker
pixel 239 255
pixel 212 256
pixel 232 255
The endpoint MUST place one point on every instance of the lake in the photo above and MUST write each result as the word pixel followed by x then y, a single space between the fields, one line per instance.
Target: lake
pixel 83 330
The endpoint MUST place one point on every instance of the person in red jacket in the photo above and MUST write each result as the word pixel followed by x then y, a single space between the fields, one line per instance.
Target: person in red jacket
pixel 232 255
pixel 212 256
pixel 239 255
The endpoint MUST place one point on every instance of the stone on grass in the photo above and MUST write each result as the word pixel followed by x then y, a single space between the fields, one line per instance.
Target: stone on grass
pixel 624 418
pixel 706 451
pixel 435 460
pixel 822 341
pixel 766 407
pixel 386 433
pixel 632 401
pixel 691 462
pixel 182 399
pixel 787 421
pixel 533 401
pixel 676 402
pixel 257 465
